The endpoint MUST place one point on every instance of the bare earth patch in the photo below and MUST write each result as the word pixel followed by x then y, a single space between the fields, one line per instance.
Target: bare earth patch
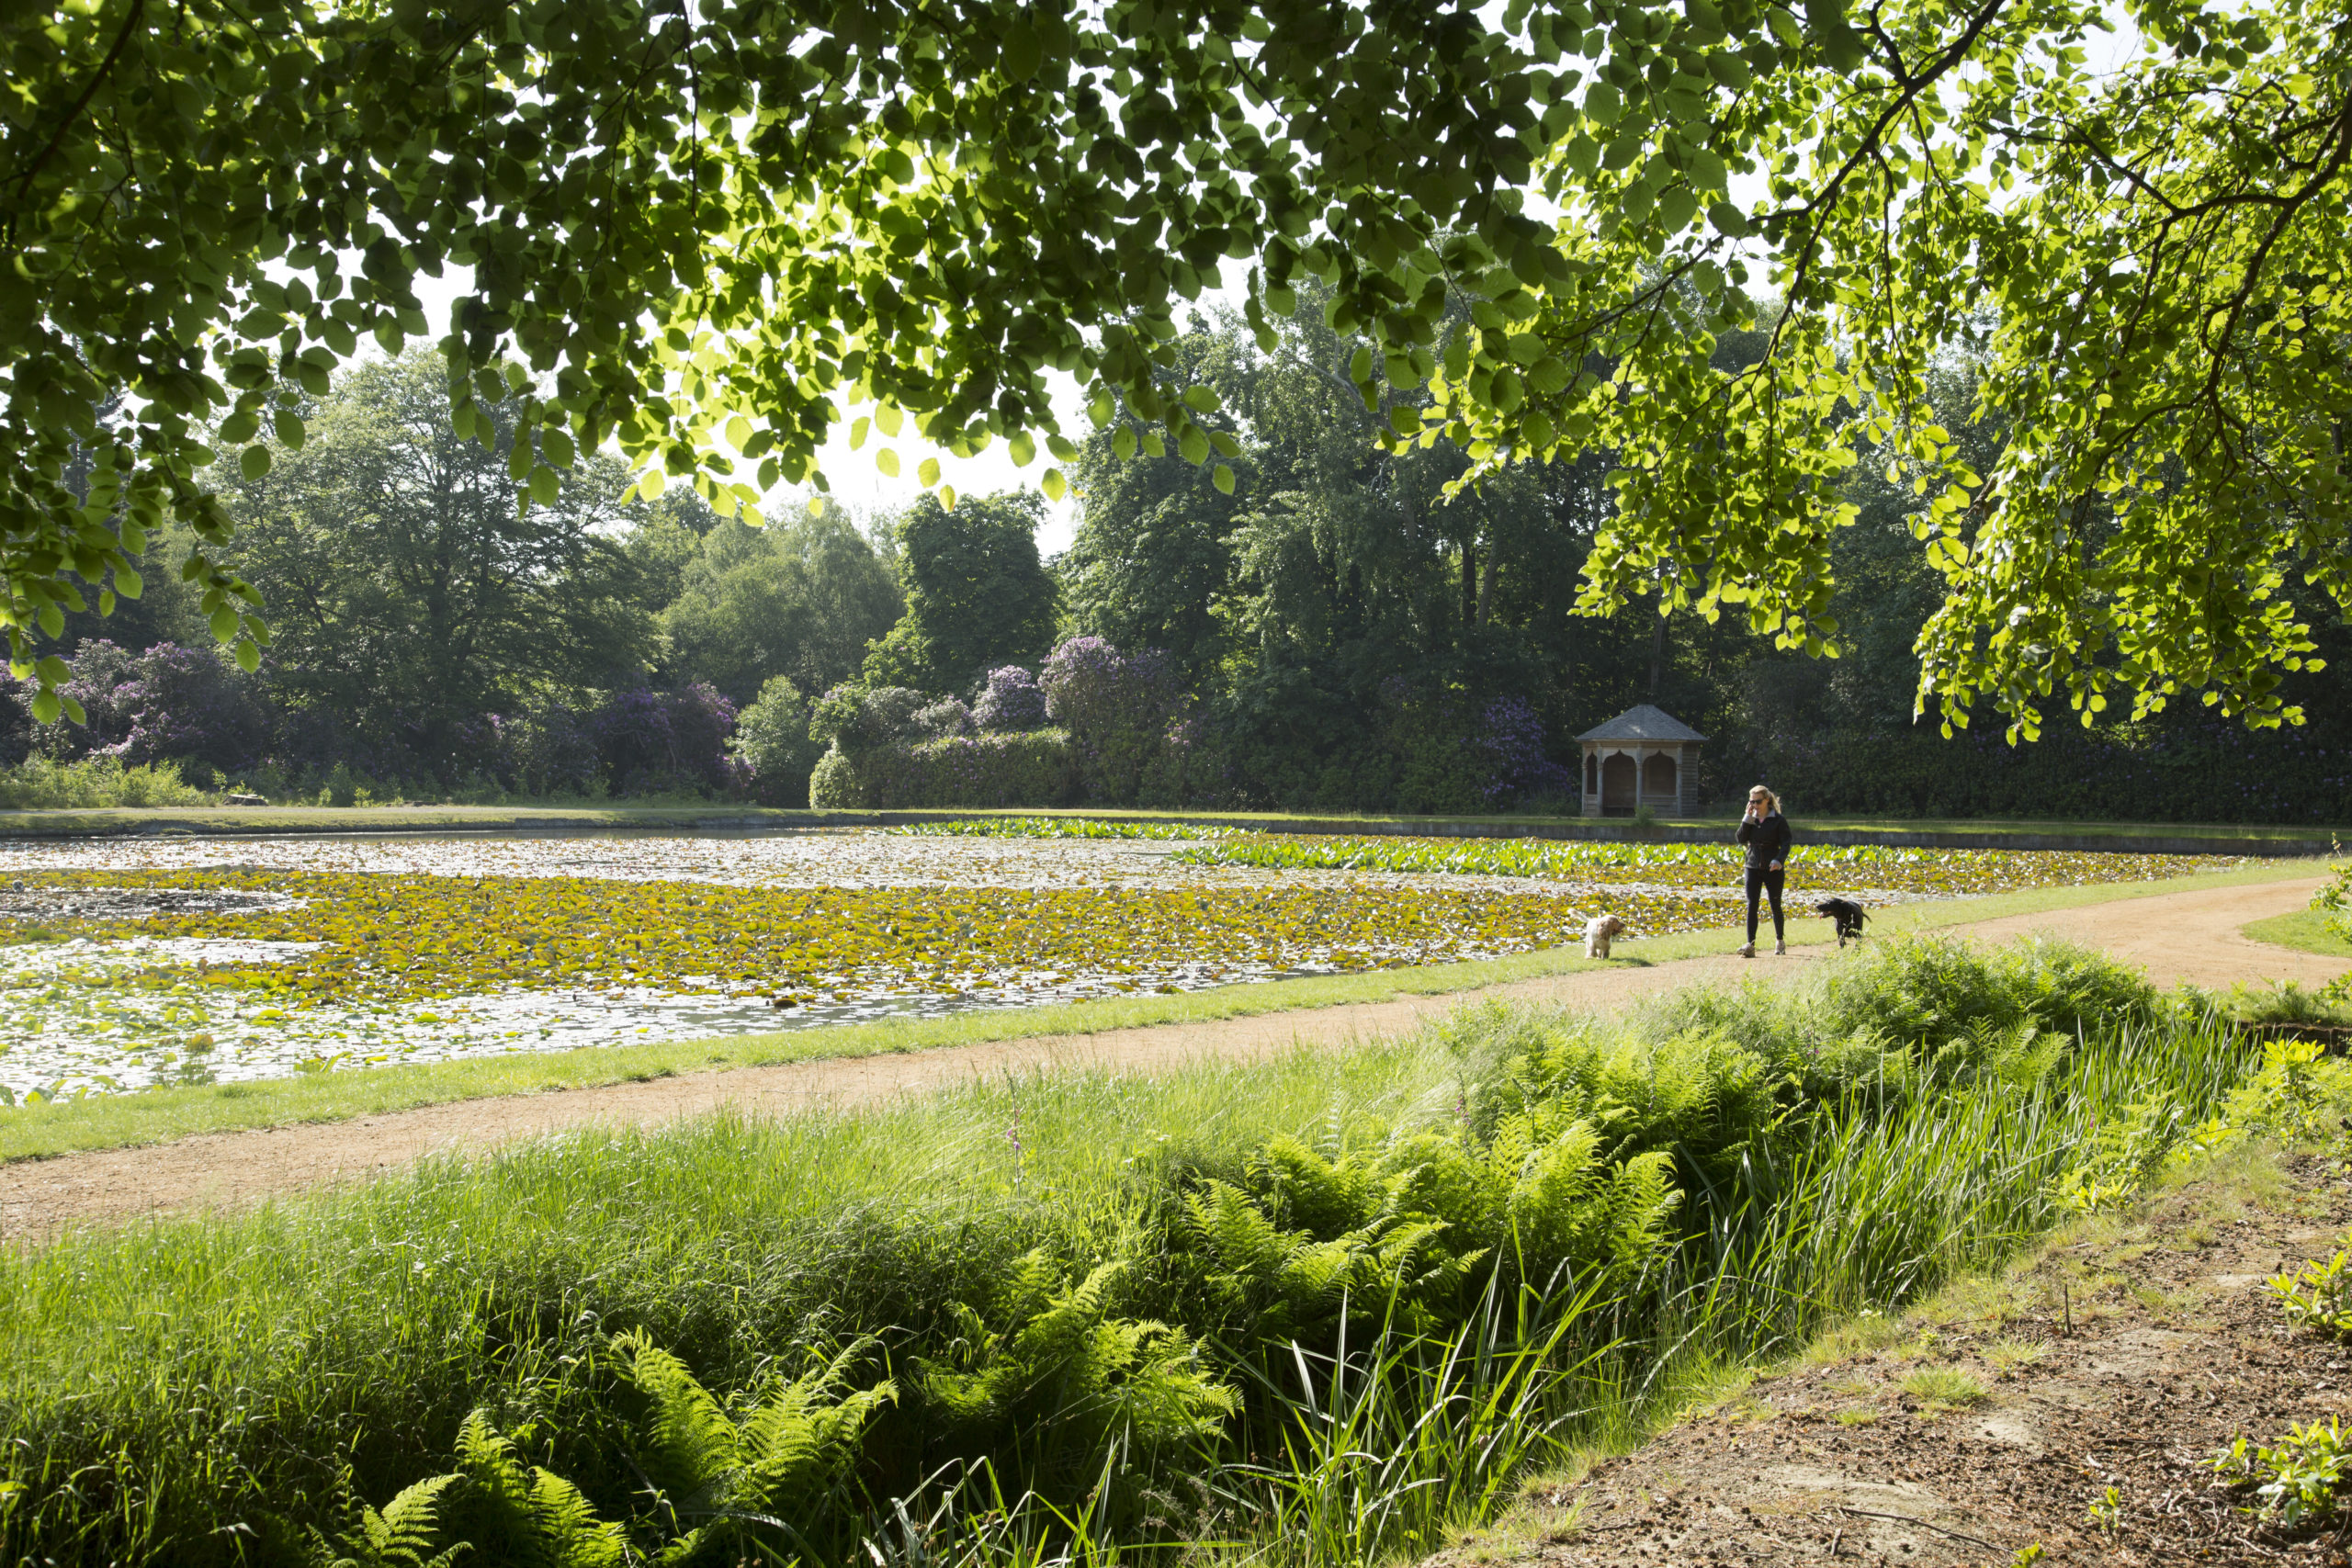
pixel 2190 935
pixel 2081 1397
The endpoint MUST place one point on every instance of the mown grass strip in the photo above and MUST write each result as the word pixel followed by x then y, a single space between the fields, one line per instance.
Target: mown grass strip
pixel 160 1115
pixel 2305 931
pixel 2174 1213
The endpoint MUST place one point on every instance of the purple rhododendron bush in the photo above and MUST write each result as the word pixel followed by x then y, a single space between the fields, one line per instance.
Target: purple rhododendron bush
pixel 180 725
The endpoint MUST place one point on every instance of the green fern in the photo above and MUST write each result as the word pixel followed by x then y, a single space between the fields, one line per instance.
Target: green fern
pixel 1322 1197
pixel 774 1454
pixel 1698 1090
pixel 1567 1206
pixel 1397 1232
pixel 1269 1281
pixel 519 1515
pixel 1428 1213
pixel 1073 1377
pixel 405 1535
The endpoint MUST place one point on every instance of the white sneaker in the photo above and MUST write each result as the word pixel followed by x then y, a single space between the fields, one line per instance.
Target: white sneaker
pixel 1780 950
pixel 1748 951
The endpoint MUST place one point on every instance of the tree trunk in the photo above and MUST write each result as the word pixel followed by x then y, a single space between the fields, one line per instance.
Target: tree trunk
pixel 1487 585
pixel 1469 584
pixel 1657 651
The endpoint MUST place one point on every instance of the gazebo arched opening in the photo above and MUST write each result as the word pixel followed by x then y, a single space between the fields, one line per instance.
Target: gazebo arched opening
pixel 1619 785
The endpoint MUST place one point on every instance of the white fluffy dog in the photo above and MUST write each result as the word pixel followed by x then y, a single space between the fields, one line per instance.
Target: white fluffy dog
pixel 1597 932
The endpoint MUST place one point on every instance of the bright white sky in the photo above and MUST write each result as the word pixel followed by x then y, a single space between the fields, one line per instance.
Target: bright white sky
pixel 857 483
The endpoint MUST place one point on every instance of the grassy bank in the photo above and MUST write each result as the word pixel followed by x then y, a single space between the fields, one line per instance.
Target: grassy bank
pixel 2164 1278
pixel 159 1115
pixel 1318 1311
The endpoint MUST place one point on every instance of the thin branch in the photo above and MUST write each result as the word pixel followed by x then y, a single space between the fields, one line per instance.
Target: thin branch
pixel 89 91
pixel 2262 252
pixel 1912 87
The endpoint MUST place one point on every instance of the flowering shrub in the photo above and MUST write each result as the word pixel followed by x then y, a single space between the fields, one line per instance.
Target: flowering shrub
pixel 1013 700
pixel 833 783
pixel 1437 769
pixel 1511 738
pixel 1190 768
pixel 1456 755
pixel 316 737
pixel 101 671
pixel 946 717
pixel 544 751
pixel 650 741
pixel 187 704
pixel 1120 711
pixel 1031 768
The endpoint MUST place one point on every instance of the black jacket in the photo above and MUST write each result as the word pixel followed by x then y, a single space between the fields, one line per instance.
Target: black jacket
pixel 1767 839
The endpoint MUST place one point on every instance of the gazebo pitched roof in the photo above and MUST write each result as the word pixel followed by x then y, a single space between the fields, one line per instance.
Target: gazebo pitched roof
pixel 1642 723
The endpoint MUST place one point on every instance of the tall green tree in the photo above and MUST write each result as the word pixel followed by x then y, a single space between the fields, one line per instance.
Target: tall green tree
pixel 977 595
pixel 665 539
pixel 1152 563
pixel 1340 578
pixel 413 593
pixel 800 598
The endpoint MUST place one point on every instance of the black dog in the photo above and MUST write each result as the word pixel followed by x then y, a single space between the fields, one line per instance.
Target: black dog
pixel 1847 913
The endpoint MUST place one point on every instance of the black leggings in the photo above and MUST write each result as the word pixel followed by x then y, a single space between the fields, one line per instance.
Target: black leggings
pixel 1760 881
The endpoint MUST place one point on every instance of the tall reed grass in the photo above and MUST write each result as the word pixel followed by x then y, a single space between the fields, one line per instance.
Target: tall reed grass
pixel 1316 1310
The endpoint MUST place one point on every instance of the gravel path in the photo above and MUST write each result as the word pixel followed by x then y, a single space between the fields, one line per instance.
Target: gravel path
pixel 2177 936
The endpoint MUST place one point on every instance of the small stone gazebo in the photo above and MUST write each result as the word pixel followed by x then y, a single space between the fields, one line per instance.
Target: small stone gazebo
pixel 1643 757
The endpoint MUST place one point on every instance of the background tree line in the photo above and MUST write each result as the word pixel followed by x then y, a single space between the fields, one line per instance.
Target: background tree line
pixel 432 640
pixel 1338 630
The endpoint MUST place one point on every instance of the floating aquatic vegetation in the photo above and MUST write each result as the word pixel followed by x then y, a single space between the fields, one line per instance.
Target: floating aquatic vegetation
pixel 409 938
pixel 125 963
pixel 836 857
pixel 359 968
pixel 1058 828
pixel 1931 873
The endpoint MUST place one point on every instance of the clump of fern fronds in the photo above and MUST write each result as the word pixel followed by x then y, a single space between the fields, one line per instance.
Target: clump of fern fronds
pixel 776 1452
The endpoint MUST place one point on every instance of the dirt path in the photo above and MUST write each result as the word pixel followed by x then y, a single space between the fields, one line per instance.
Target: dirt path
pixel 2177 936
pixel 2186 936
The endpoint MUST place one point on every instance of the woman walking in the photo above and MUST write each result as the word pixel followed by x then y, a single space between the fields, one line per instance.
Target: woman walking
pixel 1766 833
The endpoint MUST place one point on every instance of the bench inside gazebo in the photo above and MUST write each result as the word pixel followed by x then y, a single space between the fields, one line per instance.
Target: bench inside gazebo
pixel 1643 757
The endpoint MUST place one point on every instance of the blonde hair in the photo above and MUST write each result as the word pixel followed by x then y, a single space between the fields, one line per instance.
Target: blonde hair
pixel 1772 801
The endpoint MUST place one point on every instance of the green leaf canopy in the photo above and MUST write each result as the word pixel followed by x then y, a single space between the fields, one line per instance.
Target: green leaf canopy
pixel 686 220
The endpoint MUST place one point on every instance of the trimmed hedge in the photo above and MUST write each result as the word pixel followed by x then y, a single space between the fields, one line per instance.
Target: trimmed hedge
pixel 1035 768
pixel 2201 769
